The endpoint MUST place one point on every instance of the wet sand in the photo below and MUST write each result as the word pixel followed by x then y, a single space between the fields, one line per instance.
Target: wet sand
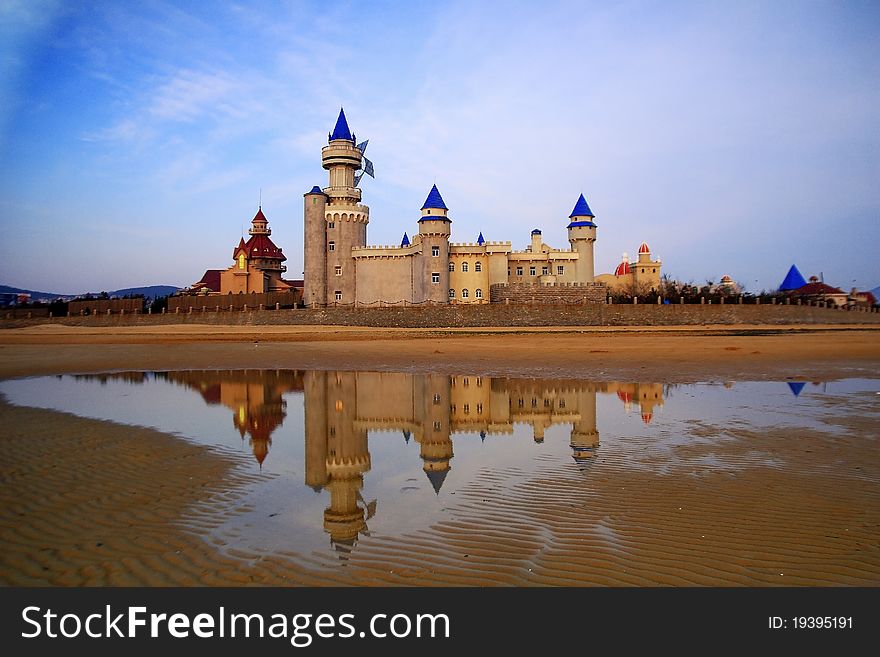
pixel 672 354
pixel 87 502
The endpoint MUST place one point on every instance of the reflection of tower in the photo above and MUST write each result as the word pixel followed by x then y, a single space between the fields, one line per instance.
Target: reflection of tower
pixel 255 396
pixel 649 396
pixel 584 436
pixel 332 402
pixel 436 444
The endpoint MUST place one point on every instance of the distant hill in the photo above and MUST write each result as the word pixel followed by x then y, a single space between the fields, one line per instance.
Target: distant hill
pixel 35 296
pixel 152 291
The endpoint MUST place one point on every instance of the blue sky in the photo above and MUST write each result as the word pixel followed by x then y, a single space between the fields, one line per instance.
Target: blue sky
pixel 734 137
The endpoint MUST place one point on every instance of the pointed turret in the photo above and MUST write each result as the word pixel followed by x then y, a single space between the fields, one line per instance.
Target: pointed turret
pixel 405 240
pixel 480 239
pixel 581 215
pixel 341 130
pixel 434 200
pixel 260 225
pixel 582 236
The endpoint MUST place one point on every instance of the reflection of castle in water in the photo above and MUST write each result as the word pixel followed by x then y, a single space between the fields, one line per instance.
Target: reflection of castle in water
pixel 342 407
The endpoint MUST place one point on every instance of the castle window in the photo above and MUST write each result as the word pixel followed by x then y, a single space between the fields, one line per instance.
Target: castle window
pixel 478 293
pixel 519 271
pixel 466 382
pixel 545 270
pixel 464 293
pixel 464 266
pixel 451 266
pixel 467 409
pixel 653 271
pixel 331 225
pixel 338 295
pixel 479 382
pixel 451 293
pixel 337 270
pixel 643 270
pixel 532 271
pixel 436 398
pixel 437 425
pixel 561 403
pixel 478 266
pixel 520 403
pixel 479 409
pixel 435 277
pixel 534 402
pixel 560 270
pixel 546 403
pixel 331 246
pixel 241 260
pixel 435 251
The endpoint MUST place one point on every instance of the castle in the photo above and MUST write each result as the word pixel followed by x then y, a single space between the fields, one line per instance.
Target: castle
pixel 340 268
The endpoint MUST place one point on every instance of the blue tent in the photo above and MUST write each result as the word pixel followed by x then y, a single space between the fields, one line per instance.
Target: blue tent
pixel 793 280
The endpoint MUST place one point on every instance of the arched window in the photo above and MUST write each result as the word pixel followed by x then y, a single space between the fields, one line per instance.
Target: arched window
pixel 241 260
pixel 464 266
pixel 478 266
pixel 451 293
pixel 451 266
pixel 464 293
pixel 478 293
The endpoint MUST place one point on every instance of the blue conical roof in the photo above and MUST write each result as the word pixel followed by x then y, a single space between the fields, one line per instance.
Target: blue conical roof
pixel 316 190
pixel 434 200
pixel 341 130
pixel 581 209
pixel 793 280
pixel 405 240
pixel 480 239
pixel 437 477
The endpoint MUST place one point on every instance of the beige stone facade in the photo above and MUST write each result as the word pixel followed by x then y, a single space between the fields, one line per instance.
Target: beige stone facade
pixel 341 269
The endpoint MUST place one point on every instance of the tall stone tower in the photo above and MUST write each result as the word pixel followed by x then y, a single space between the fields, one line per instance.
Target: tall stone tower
pixel 336 224
pixel 582 236
pixel 434 228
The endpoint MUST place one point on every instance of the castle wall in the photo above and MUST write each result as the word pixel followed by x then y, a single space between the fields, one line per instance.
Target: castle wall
pixel 470 280
pixel 384 279
pixel 535 293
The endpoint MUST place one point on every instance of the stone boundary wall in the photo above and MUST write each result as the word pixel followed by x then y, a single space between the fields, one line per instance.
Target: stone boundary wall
pixel 441 316
pixel 101 306
pixel 213 302
pixel 24 313
pixel 536 293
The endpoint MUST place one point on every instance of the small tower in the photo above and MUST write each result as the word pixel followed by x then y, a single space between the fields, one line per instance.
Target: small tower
pixel 582 236
pixel 644 253
pixel 315 248
pixel 434 230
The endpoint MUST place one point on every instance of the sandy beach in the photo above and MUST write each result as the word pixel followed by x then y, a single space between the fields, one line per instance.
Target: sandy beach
pixel 81 504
